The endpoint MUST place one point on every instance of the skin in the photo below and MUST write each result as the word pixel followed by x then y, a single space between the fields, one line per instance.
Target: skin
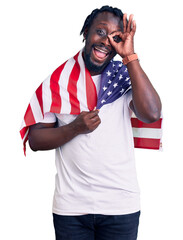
pixel 97 38
pixel 100 48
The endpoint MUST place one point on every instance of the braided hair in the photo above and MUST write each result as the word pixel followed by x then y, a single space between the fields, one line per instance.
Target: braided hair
pixel 96 11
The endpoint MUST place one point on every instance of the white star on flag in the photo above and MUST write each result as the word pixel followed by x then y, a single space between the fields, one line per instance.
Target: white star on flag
pixel 104 88
pixel 103 101
pixel 120 76
pixel 122 90
pixel 115 85
pixel 108 73
pixel 109 93
pixel 127 78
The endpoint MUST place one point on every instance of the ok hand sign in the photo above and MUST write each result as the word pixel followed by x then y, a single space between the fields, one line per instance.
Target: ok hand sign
pixel 122 42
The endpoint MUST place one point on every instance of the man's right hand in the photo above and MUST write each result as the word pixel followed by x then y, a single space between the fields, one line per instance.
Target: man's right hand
pixel 45 136
pixel 86 122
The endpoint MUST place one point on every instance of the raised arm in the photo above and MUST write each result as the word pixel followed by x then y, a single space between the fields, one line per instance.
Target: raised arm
pixel 145 102
pixel 45 136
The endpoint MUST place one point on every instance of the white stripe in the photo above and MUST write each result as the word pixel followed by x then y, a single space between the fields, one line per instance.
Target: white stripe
pixel 25 135
pixel 22 124
pixel 63 81
pixel 81 85
pixel 36 109
pixel 47 97
pixel 133 115
pixel 153 133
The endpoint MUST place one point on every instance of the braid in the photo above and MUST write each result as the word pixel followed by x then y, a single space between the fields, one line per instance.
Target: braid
pixel 96 11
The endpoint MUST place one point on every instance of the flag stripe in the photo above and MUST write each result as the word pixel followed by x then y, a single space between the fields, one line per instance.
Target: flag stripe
pixel 23 131
pixel 81 85
pixel 36 109
pixel 72 87
pixel 47 97
pixel 139 124
pixel 39 95
pixel 147 143
pixel 55 89
pixel 63 82
pixel 90 91
pixel 147 133
pixel 29 117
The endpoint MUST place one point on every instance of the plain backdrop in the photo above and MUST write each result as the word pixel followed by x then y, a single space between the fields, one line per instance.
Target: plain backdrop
pixel 36 37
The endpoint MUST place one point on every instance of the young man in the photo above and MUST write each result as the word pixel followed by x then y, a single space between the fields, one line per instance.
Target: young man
pixel 96 194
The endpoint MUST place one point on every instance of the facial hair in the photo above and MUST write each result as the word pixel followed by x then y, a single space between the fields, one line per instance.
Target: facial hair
pixel 91 66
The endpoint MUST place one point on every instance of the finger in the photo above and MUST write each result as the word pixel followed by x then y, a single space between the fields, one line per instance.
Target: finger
pixel 112 42
pixel 124 22
pixel 93 113
pixel 115 38
pixel 95 124
pixel 95 119
pixel 133 28
pixel 119 33
pixel 130 23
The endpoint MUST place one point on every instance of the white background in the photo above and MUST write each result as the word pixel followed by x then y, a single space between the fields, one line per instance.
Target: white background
pixel 36 37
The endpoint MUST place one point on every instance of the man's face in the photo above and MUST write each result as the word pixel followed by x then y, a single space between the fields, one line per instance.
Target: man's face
pixel 98 51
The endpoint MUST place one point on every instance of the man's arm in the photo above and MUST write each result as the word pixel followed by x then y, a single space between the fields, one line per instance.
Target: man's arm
pixel 45 136
pixel 145 102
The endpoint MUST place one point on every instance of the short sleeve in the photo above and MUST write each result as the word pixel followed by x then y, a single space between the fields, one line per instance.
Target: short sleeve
pixel 49 118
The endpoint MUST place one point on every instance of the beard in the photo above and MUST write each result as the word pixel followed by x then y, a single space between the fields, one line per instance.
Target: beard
pixel 92 67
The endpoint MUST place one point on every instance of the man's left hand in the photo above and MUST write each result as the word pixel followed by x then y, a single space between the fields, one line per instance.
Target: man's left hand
pixel 125 47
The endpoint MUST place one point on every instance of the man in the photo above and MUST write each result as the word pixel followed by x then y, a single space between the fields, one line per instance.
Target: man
pixel 96 194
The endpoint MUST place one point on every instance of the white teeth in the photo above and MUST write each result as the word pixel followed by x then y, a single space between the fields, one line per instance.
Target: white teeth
pixel 101 50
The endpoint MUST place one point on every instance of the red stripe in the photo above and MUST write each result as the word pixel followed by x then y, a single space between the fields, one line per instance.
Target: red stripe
pixel 139 124
pixel 39 97
pixel 24 144
pixel 91 92
pixel 72 87
pixel 23 132
pixel 55 90
pixel 147 143
pixel 29 117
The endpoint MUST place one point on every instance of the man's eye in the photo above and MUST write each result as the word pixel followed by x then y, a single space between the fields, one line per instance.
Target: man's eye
pixel 117 39
pixel 101 32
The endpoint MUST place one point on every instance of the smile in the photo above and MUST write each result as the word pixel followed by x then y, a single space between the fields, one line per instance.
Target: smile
pixel 100 53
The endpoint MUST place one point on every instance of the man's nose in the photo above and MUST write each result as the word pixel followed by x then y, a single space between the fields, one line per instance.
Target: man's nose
pixel 105 40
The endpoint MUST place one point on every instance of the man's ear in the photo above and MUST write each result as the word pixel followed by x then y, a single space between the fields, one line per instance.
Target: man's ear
pixel 85 34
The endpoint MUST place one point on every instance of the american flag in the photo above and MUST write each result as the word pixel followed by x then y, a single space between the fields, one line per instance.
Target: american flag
pixel 71 90
pixel 115 82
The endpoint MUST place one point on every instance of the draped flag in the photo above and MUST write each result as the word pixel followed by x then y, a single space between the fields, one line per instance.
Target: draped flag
pixel 71 90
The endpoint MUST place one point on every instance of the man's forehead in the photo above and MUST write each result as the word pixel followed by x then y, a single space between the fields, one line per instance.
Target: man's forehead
pixel 105 18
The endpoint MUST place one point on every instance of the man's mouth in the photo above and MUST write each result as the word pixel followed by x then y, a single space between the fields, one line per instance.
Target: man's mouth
pixel 100 53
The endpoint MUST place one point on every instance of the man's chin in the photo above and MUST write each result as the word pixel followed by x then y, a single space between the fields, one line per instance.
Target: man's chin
pixel 95 67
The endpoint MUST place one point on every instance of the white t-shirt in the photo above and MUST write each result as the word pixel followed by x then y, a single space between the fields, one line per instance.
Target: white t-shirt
pixel 96 172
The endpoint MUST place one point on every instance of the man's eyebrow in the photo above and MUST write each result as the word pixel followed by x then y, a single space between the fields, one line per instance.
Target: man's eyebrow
pixel 105 24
